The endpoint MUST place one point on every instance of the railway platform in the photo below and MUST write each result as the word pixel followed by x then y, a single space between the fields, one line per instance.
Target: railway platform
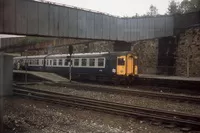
pixel 162 77
pixel 169 81
pixel 35 75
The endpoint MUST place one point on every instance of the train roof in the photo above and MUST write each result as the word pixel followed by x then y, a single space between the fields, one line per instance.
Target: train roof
pixel 74 55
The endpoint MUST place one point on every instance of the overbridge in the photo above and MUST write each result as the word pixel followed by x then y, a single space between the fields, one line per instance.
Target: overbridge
pixel 27 17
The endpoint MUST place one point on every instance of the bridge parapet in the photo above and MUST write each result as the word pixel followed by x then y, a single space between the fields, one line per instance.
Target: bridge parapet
pixel 25 17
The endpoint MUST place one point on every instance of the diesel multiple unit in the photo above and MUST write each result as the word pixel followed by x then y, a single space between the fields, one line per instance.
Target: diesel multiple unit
pixel 105 66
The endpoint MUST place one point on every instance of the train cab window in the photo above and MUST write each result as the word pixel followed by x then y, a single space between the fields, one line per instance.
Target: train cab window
pixel 100 62
pixel 54 62
pixel 76 62
pixel 92 62
pixel 60 62
pixel 84 62
pixel 121 61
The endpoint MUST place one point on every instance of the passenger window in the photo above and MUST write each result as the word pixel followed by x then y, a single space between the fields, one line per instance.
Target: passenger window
pixel 101 62
pixel 42 62
pixel 37 62
pixel 60 62
pixel 66 62
pixel 54 62
pixel 92 62
pixel 121 61
pixel 50 62
pixel 47 62
pixel 76 62
pixel 84 62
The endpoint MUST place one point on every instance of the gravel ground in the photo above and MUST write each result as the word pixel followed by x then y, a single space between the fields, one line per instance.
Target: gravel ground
pixel 155 103
pixel 182 91
pixel 29 116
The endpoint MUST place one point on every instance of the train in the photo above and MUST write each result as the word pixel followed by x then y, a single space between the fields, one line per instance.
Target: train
pixel 116 67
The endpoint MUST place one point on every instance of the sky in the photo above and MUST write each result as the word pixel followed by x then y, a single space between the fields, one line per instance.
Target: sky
pixel 118 7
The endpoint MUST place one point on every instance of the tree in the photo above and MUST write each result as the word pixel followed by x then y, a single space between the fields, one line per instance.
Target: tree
pixel 195 5
pixel 153 11
pixel 173 7
pixel 184 7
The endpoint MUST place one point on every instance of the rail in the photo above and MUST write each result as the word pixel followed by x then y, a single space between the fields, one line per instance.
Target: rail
pixel 168 96
pixel 177 118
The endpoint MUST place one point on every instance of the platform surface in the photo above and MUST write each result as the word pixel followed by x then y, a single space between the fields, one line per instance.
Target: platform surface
pixel 45 75
pixel 151 76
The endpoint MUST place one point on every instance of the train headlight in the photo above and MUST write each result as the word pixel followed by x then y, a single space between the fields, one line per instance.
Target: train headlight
pixel 114 70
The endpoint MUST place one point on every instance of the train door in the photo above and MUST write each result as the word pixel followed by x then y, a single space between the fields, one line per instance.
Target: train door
pixel 130 65
pixel 121 65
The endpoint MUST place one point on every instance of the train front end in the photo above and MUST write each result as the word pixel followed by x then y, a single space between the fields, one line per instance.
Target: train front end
pixel 126 68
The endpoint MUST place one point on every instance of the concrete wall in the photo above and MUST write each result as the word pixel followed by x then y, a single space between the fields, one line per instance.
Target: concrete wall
pixel 7 67
pixel 6 75
pixel 8 42
pixel 1 92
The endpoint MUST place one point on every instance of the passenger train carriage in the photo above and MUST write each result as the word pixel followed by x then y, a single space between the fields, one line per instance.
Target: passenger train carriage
pixel 103 66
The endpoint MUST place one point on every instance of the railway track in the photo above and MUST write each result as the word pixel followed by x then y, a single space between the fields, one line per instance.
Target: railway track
pixel 167 117
pixel 168 96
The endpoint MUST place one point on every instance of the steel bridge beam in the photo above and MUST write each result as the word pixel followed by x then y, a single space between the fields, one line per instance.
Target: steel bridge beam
pixel 26 17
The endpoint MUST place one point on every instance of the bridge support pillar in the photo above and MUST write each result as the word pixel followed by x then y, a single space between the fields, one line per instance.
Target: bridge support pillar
pixel 166 57
pixel 6 76
pixel 121 46
pixel 1 92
